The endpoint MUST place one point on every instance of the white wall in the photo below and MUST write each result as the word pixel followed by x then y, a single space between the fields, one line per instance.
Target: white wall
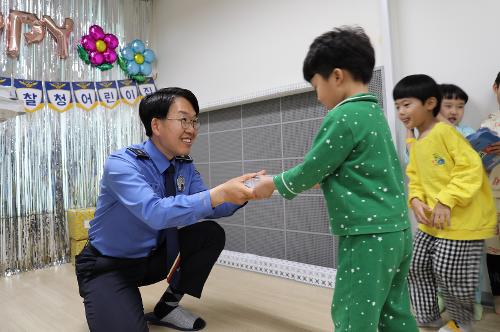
pixel 452 41
pixel 223 49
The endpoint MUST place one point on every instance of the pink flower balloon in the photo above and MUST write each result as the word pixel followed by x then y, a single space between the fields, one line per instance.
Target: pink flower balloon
pixel 88 43
pixel 96 58
pixel 111 40
pixel 109 56
pixel 96 32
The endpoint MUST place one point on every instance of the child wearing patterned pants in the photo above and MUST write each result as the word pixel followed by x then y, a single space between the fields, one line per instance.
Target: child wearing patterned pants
pixel 371 287
pixel 445 264
pixel 452 201
pixel 355 162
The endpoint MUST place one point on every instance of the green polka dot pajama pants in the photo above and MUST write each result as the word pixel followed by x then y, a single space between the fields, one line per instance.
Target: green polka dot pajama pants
pixel 371 290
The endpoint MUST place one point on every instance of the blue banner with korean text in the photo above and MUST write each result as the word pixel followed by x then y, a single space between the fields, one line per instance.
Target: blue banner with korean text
pixel 85 96
pixel 147 87
pixel 108 94
pixel 30 93
pixel 128 91
pixel 5 81
pixel 59 96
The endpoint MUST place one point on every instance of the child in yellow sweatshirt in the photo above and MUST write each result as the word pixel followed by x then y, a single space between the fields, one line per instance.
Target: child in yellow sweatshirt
pixel 453 204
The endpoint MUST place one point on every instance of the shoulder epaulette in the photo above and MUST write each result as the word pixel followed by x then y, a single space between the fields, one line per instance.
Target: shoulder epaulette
pixel 186 159
pixel 140 154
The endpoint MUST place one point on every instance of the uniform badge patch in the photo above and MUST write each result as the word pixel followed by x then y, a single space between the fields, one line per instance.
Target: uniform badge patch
pixel 140 154
pixel 181 183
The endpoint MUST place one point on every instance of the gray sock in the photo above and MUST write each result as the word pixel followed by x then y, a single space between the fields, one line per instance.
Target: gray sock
pixel 182 319
pixel 168 313
pixel 168 302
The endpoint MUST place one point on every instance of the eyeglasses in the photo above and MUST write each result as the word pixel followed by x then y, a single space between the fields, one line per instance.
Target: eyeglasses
pixel 185 123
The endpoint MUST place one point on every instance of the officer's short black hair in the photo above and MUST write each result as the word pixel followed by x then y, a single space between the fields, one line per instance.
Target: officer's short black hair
pixel 345 47
pixel 421 87
pixel 452 91
pixel 497 80
pixel 157 104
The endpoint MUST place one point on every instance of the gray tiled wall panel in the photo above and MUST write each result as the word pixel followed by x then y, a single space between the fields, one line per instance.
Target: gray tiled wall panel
pixel 265 213
pixel 315 249
pixel 281 132
pixel 298 136
pixel 307 213
pixel 235 237
pixel 271 167
pixel 203 118
pixel 301 106
pixel 262 142
pixel 221 172
pixel 376 86
pixel 199 151
pixel 225 119
pixel 261 113
pixel 225 146
pixel 266 242
pixel 235 219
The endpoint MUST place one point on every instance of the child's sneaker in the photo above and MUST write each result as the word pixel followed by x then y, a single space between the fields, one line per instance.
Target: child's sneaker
pixel 435 323
pixel 453 326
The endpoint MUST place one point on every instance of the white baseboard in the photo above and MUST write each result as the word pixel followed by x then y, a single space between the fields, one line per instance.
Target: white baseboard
pixel 306 273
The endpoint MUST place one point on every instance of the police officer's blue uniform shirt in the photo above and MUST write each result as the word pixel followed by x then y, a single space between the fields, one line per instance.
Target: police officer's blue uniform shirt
pixel 131 208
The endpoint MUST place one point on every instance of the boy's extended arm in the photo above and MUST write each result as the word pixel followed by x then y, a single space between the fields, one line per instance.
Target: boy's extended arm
pixel 331 146
pixel 415 189
pixel 466 175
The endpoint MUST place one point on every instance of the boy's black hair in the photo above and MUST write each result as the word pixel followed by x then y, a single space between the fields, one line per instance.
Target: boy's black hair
pixel 452 91
pixel 497 80
pixel 418 86
pixel 345 47
pixel 157 104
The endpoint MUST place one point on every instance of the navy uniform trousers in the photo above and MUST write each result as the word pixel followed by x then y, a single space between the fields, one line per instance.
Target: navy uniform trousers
pixel 110 286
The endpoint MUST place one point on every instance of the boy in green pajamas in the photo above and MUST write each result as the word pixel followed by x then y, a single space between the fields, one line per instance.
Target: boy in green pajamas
pixel 354 160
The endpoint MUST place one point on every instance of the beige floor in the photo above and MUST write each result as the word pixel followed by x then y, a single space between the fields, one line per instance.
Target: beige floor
pixel 234 300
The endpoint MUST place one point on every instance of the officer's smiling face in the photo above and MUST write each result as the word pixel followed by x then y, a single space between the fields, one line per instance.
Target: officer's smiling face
pixel 169 135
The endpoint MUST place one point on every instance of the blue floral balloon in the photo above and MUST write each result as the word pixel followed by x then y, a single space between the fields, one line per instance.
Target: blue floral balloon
pixel 138 46
pixel 149 55
pixel 132 68
pixel 145 68
pixel 136 60
pixel 127 53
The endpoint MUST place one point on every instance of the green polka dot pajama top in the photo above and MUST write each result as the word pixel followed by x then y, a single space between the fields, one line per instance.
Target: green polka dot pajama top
pixel 354 160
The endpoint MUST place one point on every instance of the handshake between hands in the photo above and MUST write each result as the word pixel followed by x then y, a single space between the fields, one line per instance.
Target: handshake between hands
pixel 243 188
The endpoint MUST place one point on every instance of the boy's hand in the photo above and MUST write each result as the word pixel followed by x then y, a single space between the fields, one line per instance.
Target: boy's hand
pixel 264 188
pixel 494 148
pixel 419 209
pixel 440 216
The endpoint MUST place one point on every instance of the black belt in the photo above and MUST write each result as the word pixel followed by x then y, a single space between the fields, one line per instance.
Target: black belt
pixel 93 250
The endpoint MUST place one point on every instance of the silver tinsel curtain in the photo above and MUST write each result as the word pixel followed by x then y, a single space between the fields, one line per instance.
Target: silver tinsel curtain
pixel 53 161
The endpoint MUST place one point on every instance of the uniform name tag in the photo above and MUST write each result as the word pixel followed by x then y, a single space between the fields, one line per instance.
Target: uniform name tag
pixel 181 183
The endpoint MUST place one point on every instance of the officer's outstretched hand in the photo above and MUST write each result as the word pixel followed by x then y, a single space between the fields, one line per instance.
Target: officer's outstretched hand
pixel 264 188
pixel 233 191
